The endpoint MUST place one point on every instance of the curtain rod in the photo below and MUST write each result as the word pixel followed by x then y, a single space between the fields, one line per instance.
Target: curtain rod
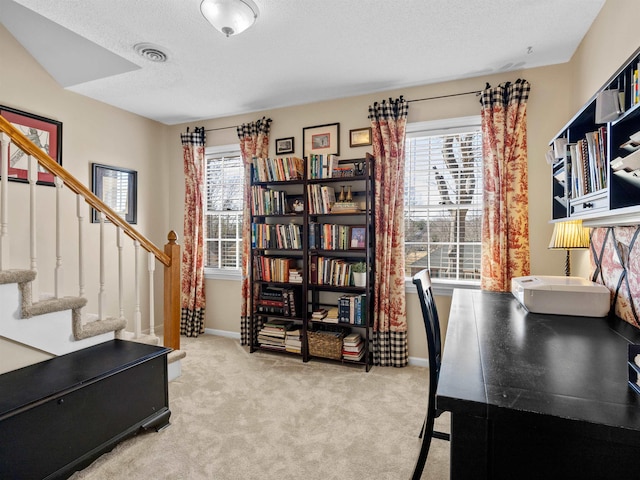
pixel 475 92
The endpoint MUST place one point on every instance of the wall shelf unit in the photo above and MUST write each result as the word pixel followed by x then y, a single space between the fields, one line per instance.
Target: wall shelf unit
pixel 596 170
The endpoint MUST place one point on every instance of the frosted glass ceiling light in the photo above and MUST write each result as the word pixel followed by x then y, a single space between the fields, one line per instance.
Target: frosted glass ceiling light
pixel 230 17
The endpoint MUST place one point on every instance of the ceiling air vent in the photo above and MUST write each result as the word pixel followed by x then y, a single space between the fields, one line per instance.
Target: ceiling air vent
pixel 150 52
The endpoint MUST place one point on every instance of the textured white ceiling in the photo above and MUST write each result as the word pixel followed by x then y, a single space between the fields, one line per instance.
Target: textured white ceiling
pixel 299 51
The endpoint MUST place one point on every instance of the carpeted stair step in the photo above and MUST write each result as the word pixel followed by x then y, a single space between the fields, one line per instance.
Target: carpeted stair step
pixel 176 355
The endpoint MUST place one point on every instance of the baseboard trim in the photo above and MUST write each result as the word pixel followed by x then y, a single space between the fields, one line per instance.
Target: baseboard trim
pixel 222 333
pixel 418 362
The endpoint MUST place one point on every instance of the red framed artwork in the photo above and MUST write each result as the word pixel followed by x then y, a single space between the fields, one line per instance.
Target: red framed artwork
pixel 44 133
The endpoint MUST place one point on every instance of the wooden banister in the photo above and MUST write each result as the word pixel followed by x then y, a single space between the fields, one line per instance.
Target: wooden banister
pixel 76 186
pixel 172 293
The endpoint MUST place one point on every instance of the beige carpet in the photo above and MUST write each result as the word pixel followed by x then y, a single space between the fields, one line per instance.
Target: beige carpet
pixel 242 416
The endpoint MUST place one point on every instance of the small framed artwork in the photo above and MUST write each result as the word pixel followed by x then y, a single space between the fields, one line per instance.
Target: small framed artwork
pixel 357 237
pixel 284 145
pixel 44 133
pixel 117 188
pixel 321 140
pixel 360 137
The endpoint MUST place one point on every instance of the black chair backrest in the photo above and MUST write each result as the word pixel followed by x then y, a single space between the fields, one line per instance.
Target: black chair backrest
pixel 422 281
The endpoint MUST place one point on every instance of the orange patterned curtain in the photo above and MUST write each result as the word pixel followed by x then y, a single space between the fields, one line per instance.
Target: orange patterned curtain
pixel 505 220
pixel 192 286
pixel 254 142
pixel 388 125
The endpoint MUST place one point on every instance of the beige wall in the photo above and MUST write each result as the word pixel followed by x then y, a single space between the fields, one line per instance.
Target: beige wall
pixel 549 94
pixel 92 132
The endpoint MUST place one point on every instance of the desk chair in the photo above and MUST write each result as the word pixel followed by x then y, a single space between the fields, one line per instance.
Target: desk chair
pixel 422 281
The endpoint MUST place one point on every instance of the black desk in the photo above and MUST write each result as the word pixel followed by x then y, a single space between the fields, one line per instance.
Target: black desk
pixel 537 396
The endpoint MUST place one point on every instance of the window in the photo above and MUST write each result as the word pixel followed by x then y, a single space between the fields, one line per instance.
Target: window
pixel 443 199
pixel 223 209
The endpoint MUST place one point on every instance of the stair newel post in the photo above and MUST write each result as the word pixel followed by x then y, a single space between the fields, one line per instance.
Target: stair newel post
pixel 58 272
pixel 172 293
pixel 32 176
pixel 80 206
pixel 151 265
pixel 137 318
pixel 4 202
pixel 120 245
pixel 101 292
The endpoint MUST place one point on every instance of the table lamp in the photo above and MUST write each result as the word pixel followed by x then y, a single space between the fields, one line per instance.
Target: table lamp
pixel 569 235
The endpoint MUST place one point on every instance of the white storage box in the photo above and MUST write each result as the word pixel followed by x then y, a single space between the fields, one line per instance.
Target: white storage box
pixel 562 295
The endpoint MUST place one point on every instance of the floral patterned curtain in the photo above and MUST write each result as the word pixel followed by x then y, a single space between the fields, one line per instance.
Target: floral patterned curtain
pixel 254 142
pixel 505 221
pixel 388 125
pixel 192 297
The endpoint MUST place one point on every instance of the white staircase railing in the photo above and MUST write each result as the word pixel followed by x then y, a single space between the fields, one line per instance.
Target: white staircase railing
pixel 111 274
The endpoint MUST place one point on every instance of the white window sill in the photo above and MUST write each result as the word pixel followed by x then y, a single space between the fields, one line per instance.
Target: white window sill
pixel 442 287
pixel 220 274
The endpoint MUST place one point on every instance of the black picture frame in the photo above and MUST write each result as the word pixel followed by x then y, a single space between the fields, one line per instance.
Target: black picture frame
pixel 321 139
pixel 117 187
pixel 44 133
pixel 285 145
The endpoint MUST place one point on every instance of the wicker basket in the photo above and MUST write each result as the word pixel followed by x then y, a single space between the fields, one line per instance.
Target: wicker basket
pixel 325 344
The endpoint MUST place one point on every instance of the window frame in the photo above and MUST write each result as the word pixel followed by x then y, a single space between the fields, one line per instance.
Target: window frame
pixel 440 127
pixel 212 272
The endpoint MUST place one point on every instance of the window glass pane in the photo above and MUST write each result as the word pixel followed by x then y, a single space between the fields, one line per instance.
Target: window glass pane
pixel 223 221
pixel 443 204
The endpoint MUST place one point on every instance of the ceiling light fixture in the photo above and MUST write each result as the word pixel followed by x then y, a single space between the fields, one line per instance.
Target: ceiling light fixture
pixel 230 17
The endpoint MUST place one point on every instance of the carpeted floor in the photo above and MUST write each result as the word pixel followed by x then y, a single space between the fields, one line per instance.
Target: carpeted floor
pixel 242 416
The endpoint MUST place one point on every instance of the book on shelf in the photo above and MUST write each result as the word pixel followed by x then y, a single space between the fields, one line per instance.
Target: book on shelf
pixel 278 169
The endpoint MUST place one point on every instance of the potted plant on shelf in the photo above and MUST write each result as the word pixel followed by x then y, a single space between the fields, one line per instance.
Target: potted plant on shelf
pixel 359 271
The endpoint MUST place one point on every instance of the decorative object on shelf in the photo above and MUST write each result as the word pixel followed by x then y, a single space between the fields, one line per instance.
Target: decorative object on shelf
pixel 349 197
pixel 298 205
pixel 359 271
pixel 569 235
pixel 44 133
pixel 230 17
pixel 284 145
pixel 118 188
pixel 357 238
pixel 321 139
pixel 360 137
pixel 341 197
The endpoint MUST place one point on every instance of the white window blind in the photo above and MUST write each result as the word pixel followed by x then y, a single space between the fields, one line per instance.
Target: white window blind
pixel 443 201
pixel 223 218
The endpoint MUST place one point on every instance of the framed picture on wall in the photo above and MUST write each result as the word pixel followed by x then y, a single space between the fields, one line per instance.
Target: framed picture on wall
pixel 360 137
pixel 117 188
pixel 44 133
pixel 321 140
pixel 284 145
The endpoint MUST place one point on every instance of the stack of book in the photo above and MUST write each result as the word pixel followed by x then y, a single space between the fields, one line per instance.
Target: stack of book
pixel 273 334
pixel 294 275
pixel 332 315
pixel 293 341
pixel 319 314
pixel 353 347
pixel 277 301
